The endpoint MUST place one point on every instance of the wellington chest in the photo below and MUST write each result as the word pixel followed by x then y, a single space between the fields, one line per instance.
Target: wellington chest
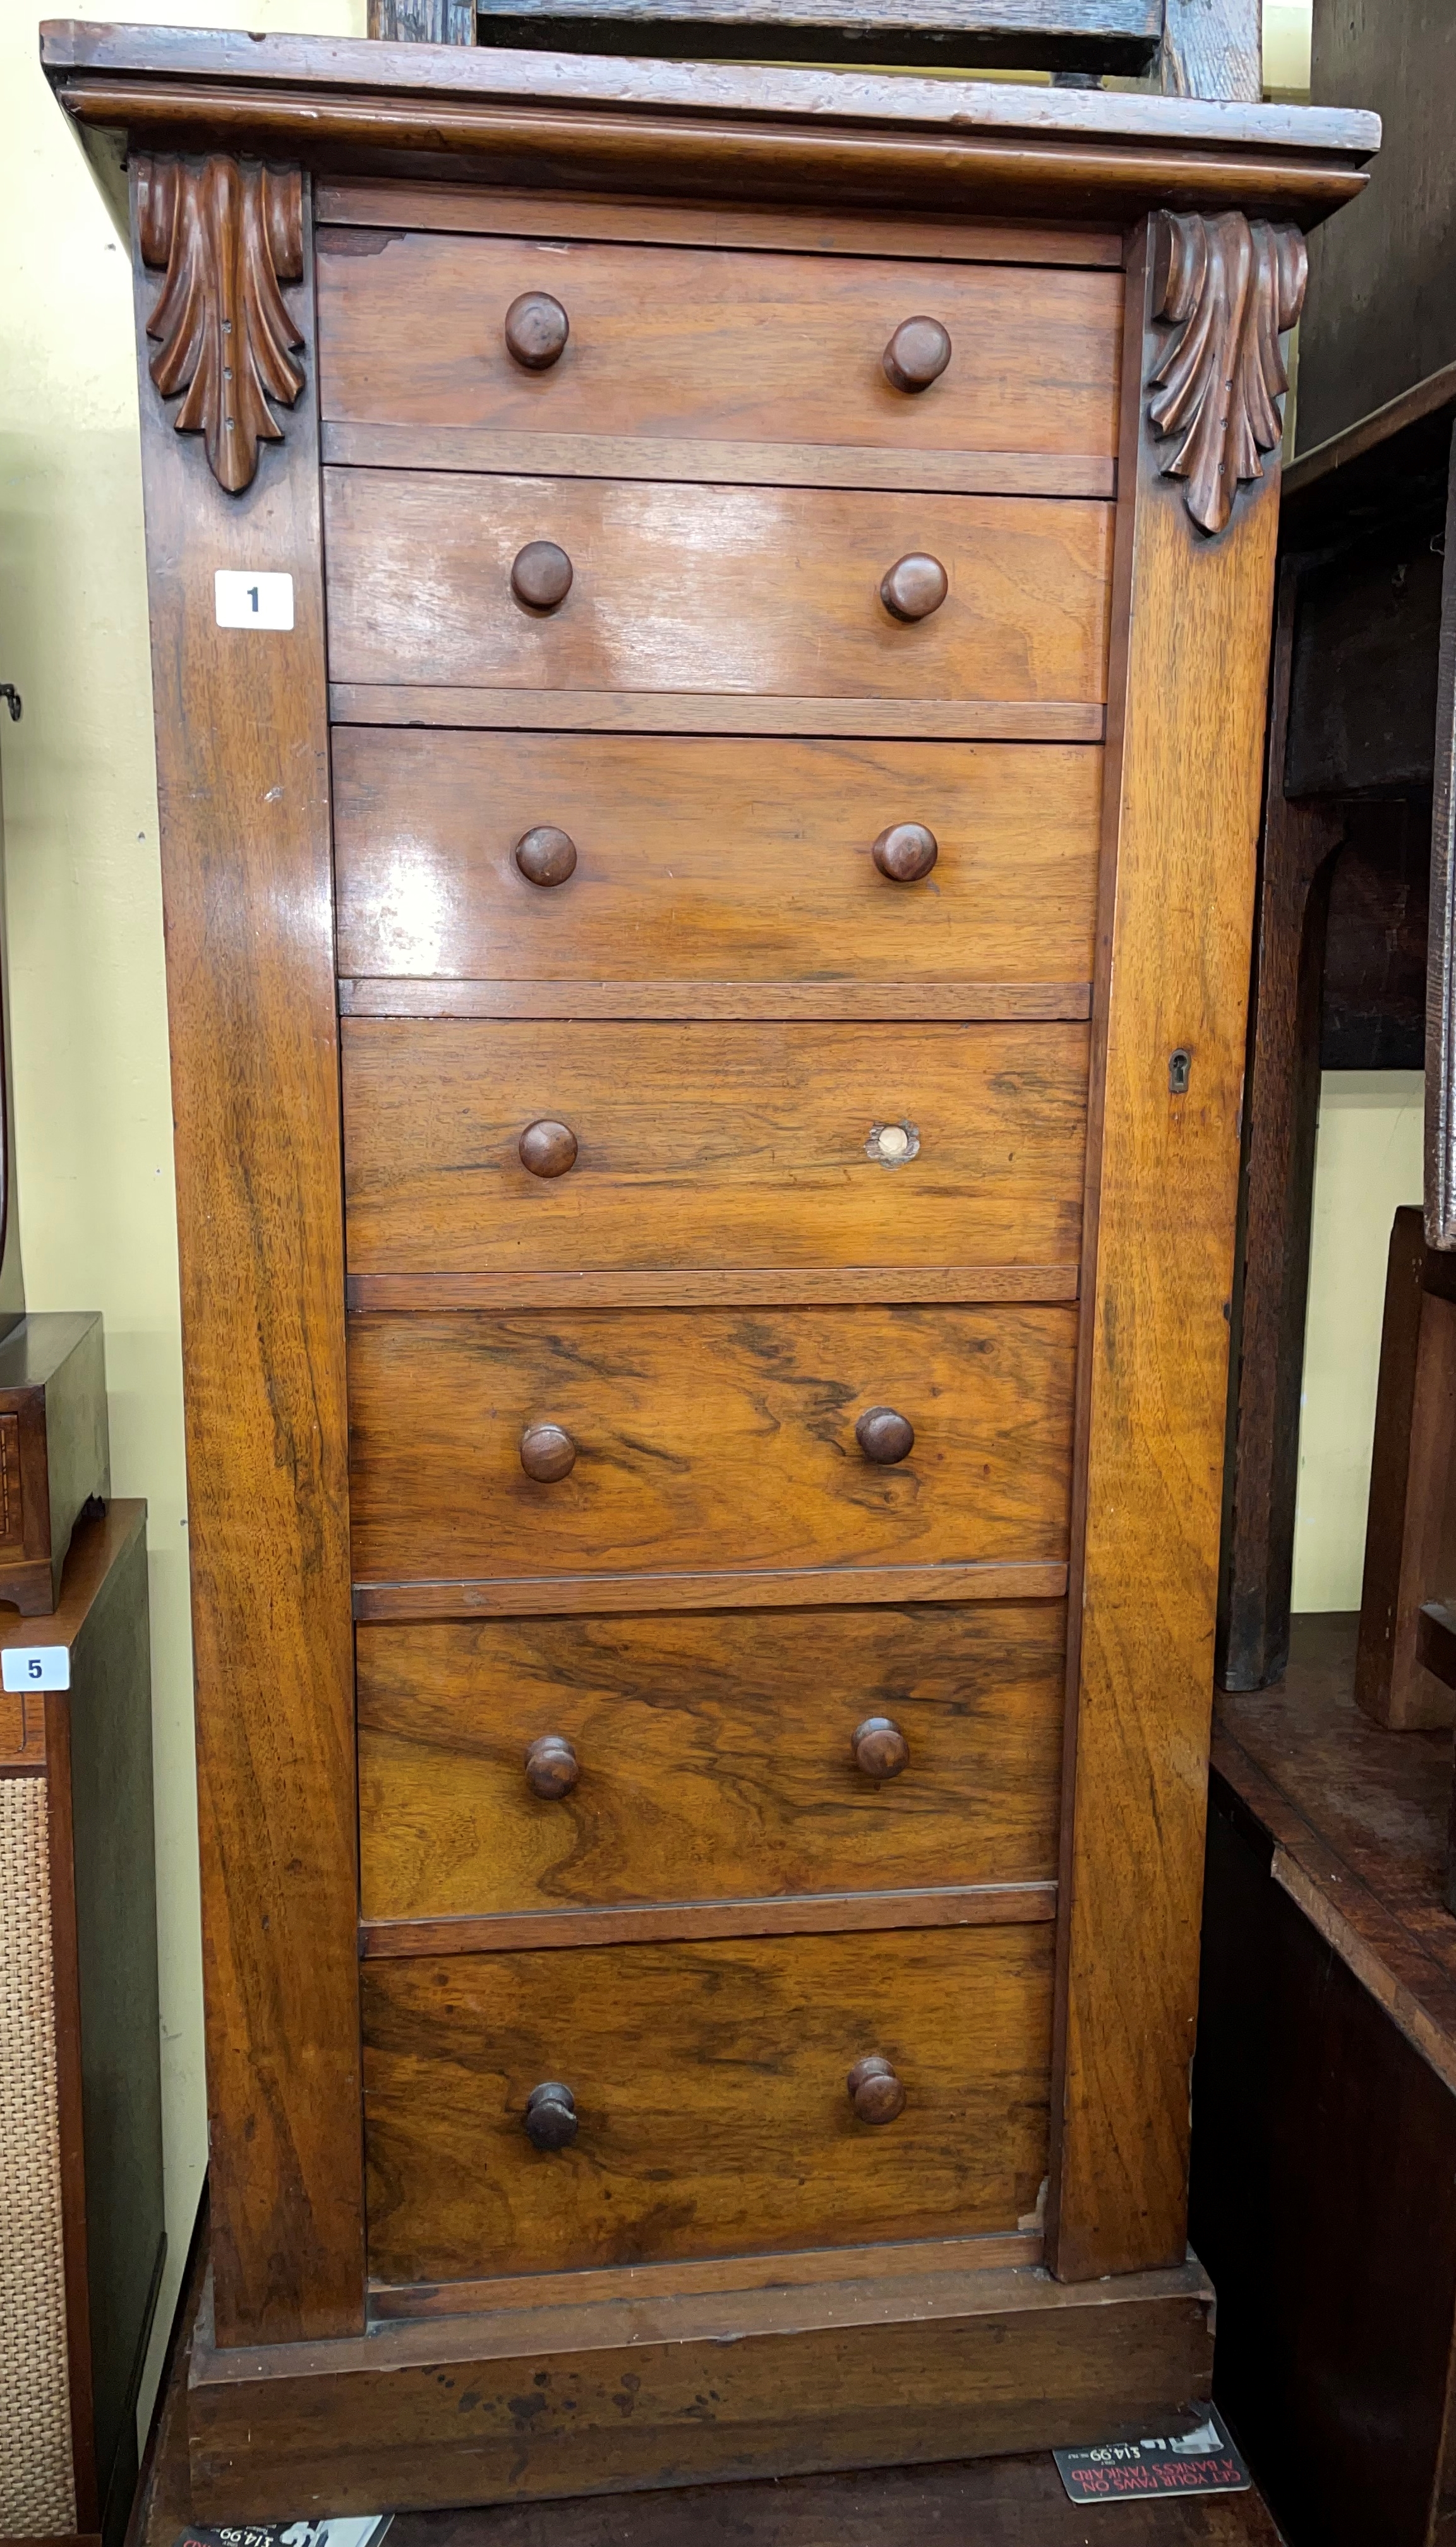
pixel 710 641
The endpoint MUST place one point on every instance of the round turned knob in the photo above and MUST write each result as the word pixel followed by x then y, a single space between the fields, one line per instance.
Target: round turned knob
pixel 552 1768
pixel 540 577
pixel 916 354
pixel 913 587
pixel 546 855
pixel 551 2115
pixel 880 1748
pixel 884 1436
pixel 536 329
pixel 874 2090
pixel 905 852
pixel 548 1149
pixel 547 1452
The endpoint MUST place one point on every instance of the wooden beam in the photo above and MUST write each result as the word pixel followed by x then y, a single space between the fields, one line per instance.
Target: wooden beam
pixel 1075 36
pixel 1184 763
pixel 422 22
pixel 242 770
pixel 1213 48
pixel 520 2402
pixel 1272 1280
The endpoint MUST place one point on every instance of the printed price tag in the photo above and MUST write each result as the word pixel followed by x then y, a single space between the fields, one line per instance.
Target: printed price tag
pixel 35 1667
pixel 246 600
pixel 1203 2461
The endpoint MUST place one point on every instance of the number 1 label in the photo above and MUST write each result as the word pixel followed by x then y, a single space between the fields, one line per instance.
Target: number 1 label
pixel 253 601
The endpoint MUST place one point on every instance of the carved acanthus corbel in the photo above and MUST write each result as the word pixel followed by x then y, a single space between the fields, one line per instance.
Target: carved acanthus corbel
pixel 228 233
pixel 1232 288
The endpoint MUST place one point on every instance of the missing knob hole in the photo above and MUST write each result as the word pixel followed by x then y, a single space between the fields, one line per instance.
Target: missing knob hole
pixel 893 1143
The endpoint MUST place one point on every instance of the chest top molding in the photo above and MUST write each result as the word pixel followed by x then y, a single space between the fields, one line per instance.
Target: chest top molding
pixel 589 123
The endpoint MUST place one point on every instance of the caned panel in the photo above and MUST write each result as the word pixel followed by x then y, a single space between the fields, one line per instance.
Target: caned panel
pixel 37 2495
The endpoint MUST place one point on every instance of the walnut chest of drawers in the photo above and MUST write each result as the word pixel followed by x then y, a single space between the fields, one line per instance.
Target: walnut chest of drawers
pixel 710 643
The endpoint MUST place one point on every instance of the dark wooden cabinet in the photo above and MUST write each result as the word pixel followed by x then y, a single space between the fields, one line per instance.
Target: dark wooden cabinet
pixel 81 2218
pixel 710 638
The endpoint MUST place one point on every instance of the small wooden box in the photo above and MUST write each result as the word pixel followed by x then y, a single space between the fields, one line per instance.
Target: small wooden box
pixel 54 1448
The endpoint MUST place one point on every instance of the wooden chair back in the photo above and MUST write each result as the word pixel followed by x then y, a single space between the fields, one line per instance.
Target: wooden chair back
pixel 1210 48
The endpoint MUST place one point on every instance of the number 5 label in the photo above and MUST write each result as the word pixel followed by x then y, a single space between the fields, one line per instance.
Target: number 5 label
pixel 35 1667
pixel 248 600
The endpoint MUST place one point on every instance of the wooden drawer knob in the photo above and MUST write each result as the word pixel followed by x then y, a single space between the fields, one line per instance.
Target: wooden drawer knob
pixel 881 1749
pixel 552 1768
pixel 874 2090
pixel 548 1149
pixel 884 1436
pixel 546 855
pixel 547 1452
pixel 536 329
pixel 551 2115
pixel 905 852
pixel 913 587
pixel 916 354
pixel 540 577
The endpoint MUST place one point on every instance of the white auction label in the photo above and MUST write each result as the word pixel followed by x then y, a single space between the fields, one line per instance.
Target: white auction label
pixel 253 601
pixel 35 1667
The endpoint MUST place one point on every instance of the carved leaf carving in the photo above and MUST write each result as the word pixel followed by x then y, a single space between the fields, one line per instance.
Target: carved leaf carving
pixel 1231 286
pixel 228 233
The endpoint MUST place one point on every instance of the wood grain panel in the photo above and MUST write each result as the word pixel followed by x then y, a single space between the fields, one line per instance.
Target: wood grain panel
pixel 710 1146
pixel 732 346
pixel 400 203
pixel 757 1288
pixel 781 1915
pixel 1184 774
pixel 708 1440
pixel 710 2082
pixel 717 1588
pixel 681 589
pixel 242 767
pixel 874 1004
pixel 393 2303
pixel 924 720
pixel 712 862
pixel 746 463
pixel 715 1756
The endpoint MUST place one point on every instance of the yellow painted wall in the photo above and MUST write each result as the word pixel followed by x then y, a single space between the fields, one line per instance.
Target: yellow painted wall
pixel 93 1116
pixel 1287 46
pixel 84 920
pixel 1368 1163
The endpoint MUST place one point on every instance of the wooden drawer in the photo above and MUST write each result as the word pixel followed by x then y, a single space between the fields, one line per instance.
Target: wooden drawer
pixel 710 2086
pixel 707 1440
pixel 707 1145
pixel 715 1756
pixel 741 589
pixel 730 348
pixel 710 865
